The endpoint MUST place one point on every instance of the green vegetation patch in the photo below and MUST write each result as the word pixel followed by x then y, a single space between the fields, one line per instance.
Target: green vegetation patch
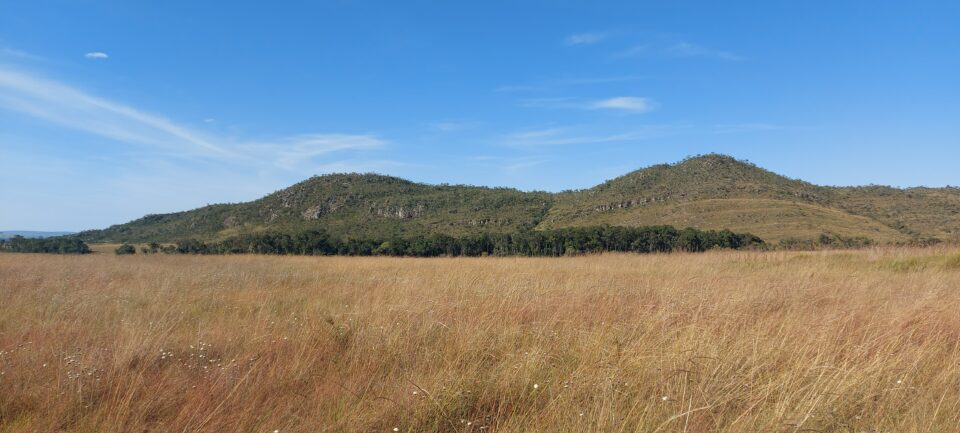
pixel 952 261
pixel 912 264
pixel 570 241
pixel 54 245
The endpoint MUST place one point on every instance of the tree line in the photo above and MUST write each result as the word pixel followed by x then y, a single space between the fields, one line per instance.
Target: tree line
pixel 54 245
pixel 559 242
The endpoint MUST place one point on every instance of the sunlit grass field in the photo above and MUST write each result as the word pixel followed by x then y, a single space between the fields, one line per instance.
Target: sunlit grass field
pixel 841 341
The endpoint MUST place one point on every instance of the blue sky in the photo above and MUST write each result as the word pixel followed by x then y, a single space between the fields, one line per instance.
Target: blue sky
pixel 110 110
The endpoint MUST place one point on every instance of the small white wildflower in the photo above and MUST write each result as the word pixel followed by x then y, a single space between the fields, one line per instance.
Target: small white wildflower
pixel 276 431
pixel 396 429
pixel 416 392
pixel 535 386
pixel 581 413
pixel 899 381
pixel 664 398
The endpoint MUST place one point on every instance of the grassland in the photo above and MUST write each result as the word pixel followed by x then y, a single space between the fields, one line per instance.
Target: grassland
pixel 852 341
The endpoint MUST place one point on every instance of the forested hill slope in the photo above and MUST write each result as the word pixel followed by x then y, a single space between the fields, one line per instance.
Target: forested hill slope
pixel 360 205
pixel 707 192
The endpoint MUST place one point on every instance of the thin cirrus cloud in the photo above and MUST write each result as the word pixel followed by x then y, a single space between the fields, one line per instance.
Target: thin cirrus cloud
pixel 559 136
pixel 290 153
pixel 687 49
pixel 552 84
pixel 10 52
pixel 521 164
pixel 62 105
pixel 624 103
pixel 96 55
pixel 66 106
pixel 627 104
pixel 584 38
pixel 678 49
pixel 508 164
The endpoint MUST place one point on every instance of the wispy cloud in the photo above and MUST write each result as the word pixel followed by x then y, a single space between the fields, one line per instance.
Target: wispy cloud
pixel 361 166
pixel 290 153
pixel 518 165
pixel 558 83
pixel 10 52
pixel 678 49
pixel 63 105
pixel 687 49
pixel 569 136
pixel 636 51
pixel 66 106
pixel 509 164
pixel 584 38
pixel 629 104
pixel 598 80
pixel 625 103
pixel 95 55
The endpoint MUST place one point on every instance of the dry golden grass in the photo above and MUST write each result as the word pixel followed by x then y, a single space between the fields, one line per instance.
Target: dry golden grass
pixel 864 341
pixel 771 220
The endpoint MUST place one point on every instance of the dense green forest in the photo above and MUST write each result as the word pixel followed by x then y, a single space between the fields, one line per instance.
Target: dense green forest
pixel 527 243
pixel 55 245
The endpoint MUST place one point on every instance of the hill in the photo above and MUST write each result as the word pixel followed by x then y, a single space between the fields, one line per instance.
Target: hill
pixel 719 191
pixel 360 205
pixel 706 192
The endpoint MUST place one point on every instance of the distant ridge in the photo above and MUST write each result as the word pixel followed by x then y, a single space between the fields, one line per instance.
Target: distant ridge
pixel 7 234
pixel 707 192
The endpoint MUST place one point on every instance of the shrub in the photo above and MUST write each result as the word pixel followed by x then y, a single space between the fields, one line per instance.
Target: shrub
pixel 125 249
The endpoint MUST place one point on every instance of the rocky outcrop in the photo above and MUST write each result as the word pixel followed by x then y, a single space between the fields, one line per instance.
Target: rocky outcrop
pixel 400 211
